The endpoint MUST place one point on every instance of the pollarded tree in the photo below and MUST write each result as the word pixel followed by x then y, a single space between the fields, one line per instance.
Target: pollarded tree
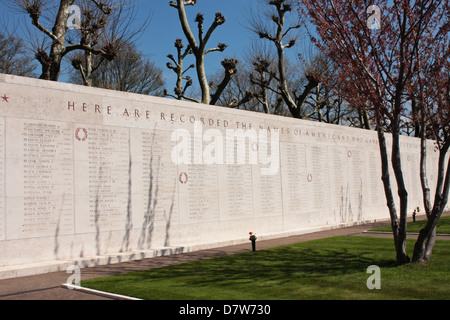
pixel 178 68
pixel 273 25
pixel 377 68
pixel 236 94
pixel 262 78
pixel 102 33
pixel 54 25
pixel 324 103
pixel 199 49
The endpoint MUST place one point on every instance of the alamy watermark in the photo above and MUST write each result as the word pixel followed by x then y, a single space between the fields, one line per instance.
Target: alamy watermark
pixel 75 278
pixel 74 20
pixel 374 21
pixel 374 281
pixel 209 147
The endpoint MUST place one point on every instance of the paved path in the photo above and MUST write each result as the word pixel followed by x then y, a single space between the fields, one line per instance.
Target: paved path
pixel 48 286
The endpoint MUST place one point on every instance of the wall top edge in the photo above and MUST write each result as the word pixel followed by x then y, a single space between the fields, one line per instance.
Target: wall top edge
pixel 73 88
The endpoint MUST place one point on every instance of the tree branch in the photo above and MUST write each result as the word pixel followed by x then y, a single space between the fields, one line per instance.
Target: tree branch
pixel 247 97
pixel 291 28
pixel 220 47
pixel 184 22
pixel 230 70
pixel 219 20
pixel 103 7
pixel 36 23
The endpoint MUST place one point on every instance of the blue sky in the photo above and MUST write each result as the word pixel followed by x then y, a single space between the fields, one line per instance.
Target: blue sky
pixel 158 39
pixel 157 42
pixel 165 28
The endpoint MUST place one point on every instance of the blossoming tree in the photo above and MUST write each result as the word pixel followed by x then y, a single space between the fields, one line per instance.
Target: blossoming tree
pixel 377 51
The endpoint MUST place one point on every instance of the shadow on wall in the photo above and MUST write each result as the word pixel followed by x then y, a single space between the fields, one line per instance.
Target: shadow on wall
pixel 346 205
pixel 100 215
pixel 129 220
pixel 152 197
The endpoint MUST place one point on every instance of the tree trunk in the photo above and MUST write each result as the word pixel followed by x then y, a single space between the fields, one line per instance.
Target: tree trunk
pixel 293 108
pixel 55 66
pixel 387 184
pixel 45 73
pixel 425 242
pixel 87 77
pixel 265 101
pixel 366 120
pixel 415 111
pixel 179 84
pixel 402 257
pixel 430 245
pixel 399 233
pixel 200 65
pixel 420 246
pixel 57 50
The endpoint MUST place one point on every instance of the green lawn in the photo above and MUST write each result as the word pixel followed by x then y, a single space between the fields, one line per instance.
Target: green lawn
pixel 334 268
pixel 442 227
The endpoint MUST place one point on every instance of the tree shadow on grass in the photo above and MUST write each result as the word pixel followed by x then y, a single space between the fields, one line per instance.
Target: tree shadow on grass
pixel 324 269
pixel 281 265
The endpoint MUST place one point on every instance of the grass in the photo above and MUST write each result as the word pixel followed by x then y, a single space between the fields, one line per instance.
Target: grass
pixel 334 268
pixel 442 227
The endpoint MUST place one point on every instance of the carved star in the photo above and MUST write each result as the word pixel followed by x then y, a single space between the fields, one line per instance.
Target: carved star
pixel 5 98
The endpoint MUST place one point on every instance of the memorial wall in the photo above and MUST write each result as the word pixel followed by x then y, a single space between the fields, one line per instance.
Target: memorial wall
pixel 97 176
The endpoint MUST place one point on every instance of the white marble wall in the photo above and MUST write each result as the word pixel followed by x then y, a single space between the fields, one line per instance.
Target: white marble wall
pixel 87 172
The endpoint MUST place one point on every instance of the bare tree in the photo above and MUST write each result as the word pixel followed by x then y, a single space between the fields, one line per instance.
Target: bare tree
pixel 230 69
pixel 237 93
pixel 325 102
pixel 273 25
pixel 110 28
pixel 13 58
pixel 262 78
pixel 54 25
pixel 178 68
pixel 128 72
pixel 199 49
